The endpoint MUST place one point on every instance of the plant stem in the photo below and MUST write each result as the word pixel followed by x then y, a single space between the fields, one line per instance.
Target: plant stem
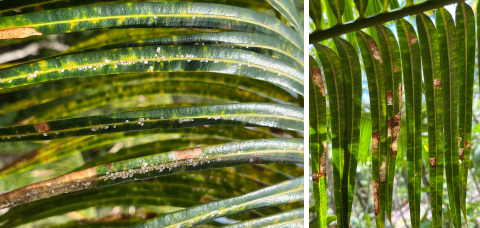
pixel 351 26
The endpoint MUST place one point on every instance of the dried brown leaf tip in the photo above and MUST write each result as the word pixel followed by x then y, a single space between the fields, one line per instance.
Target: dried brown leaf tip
pixel 322 165
pixel 412 39
pixel 372 46
pixel 315 177
pixel 41 127
pixel 437 83
pixel 18 33
pixel 317 78
pixel 375 140
pixel 376 198
pixel 383 172
pixel 433 162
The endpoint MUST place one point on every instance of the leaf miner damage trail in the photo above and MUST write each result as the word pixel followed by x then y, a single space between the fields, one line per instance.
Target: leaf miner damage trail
pixel 80 180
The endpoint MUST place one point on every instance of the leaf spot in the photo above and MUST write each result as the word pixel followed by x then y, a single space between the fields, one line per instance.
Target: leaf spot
pixel 412 39
pixel 41 127
pixel 18 33
pixel 372 46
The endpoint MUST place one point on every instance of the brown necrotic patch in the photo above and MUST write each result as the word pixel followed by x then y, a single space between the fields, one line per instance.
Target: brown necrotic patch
pixel 317 78
pixel 412 39
pixel 395 68
pixel 41 127
pixel 372 46
pixel 383 172
pixel 18 33
pixel 192 153
pixel 433 162
pixel 461 153
pixel 322 165
pixel 375 140
pixel 467 144
pixel 389 97
pixel 376 198
pixel 71 182
pixel 394 123
pixel 315 177
pixel 437 83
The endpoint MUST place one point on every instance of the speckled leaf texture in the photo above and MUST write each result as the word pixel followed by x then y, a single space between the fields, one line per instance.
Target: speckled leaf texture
pixel 318 139
pixel 447 41
pixel 429 48
pixel 374 68
pixel 411 65
pixel 184 113
pixel 390 54
pixel 465 27
pixel 285 192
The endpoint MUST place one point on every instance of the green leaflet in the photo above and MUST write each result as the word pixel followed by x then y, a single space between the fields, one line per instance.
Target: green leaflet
pixel 194 159
pixel 374 69
pixel 287 9
pixel 286 192
pixel 349 16
pixel 318 139
pixel 102 224
pixel 338 7
pixel 449 70
pixel 465 27
pixel 315 13
pixel 246 114
pixel 156 59
pixel 152 148
pixel 102 38
pixel 411 65
pixel 53 92
pixel 66 147
pixel 138 194
pixel 361 7
pixel 29 6
pixel 67 108
pixel 259 43
pixel 335 81
pixel 285 219
pixel 158 14
pixel 207 186
pixel 365 140
pixel 429 47
pixel 353 106
pixel 390 55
